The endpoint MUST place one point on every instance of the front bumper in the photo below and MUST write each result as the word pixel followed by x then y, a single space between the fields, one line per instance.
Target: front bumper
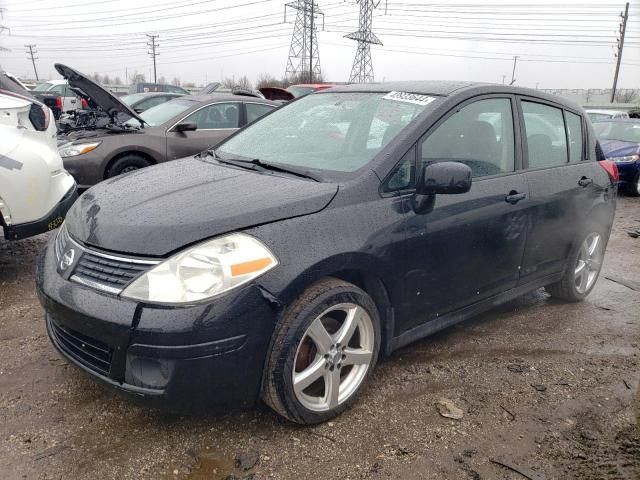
pixel 204 357
pixel 50 221
pixel 86 169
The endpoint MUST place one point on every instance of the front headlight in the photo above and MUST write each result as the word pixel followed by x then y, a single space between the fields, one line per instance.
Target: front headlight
pixel 626 159
pixel 71 149
pixel 204 270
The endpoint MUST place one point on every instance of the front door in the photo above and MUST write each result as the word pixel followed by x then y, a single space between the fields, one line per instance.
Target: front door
pixel 214 123
pixel 466 248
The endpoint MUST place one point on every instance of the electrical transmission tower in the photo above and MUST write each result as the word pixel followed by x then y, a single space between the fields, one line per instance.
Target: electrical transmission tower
pixel 362 70
pixel 31 52
pixel 153 54
pixel 304 54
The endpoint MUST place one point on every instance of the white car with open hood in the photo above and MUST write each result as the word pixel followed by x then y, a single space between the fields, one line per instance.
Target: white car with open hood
pixel 35 190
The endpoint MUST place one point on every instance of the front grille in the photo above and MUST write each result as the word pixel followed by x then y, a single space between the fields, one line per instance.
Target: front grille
pixel 88 351
pixel 112 273
pixel 100 270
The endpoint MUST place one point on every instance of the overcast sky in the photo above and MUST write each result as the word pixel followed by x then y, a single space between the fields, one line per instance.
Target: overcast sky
pixel 562 44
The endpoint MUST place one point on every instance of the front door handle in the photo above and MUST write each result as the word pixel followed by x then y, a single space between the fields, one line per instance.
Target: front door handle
pixel 585 182
pixel 514 197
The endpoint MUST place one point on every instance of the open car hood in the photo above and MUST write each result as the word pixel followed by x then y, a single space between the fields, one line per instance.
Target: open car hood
pixel 104 99
pixel 275 93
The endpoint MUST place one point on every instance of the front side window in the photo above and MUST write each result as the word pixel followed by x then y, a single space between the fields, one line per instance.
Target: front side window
pixel 574 130
pixel 337 132
pixel 256 110
pixel 546 138
pixel 479 135
pixel 218 115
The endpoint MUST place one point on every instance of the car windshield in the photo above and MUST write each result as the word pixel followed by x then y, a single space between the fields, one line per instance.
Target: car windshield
pixel 162 113
pixel 339 132
pixel 131 99
pixel 625 131
pixel 43 87
pixel 300 91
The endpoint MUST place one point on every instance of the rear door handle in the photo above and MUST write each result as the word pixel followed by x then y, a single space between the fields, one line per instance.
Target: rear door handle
pixel 514 197
pixel 585 182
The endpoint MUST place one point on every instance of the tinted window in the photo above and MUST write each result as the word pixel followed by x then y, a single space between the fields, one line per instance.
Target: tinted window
pixel 546 139
pixel 574 129
pixel 163 113
pixel 43 87
pixel 256 110
pixel 219 115
pixel 479 135
pixel 151 102
pixel 61 89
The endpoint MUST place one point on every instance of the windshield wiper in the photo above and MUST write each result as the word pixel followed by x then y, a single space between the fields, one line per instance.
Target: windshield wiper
pixel 257 164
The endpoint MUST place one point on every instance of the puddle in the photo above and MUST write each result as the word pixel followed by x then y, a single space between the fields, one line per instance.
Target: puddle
pixel 210 467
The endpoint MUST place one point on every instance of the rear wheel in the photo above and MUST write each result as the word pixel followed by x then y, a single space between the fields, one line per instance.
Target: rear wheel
pixel 127 163
pixel 583 268
pixel 324 349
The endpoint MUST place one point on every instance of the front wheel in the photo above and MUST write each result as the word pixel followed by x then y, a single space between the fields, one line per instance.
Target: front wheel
pixel 583 268
pixel 324 348
pixel 127 163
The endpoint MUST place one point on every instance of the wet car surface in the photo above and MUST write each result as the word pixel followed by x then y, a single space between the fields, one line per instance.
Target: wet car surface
pixel 543 385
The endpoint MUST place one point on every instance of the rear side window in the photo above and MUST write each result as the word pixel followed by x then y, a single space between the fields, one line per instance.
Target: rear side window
pixel 256 110
pixel 479 135
pixel 546 138
pixel 574 131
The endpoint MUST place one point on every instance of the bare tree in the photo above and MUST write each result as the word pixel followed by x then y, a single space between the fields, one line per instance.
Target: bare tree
pixel 117 81
pixel 97 77
pixel 175 81
pixel 628 95
pixel 106 79
pixel 189 85
pixel 267 80
pixel 229 82
pixel 162 79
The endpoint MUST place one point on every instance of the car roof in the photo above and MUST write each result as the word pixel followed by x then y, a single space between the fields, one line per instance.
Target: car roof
pixel 156 94
pixel 446 88
pixel 56 82
pixel 314 85
pixel 227 98
pixel 603 110
pixel 617 120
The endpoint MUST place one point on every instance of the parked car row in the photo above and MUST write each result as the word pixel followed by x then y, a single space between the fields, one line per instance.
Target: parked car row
pixel 285 261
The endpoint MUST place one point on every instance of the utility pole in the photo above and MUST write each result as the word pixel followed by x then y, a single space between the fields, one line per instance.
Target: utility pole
pixel 311 45
pixel 152 43
pixel 362 70
pixel 31 53
pixel 513 73
pixel 623 29
pixel 503 78
pixel 304 53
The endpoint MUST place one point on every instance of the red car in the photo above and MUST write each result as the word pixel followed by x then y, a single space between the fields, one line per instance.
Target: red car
pixel 303 89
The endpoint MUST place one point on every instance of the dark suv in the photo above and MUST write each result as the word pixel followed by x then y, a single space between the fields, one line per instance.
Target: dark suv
pixel 330 232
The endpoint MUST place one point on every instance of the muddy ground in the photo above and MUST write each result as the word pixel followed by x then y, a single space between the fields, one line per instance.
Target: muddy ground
pixel 543 385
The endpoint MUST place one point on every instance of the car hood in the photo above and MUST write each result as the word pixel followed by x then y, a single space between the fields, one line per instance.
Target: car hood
pixel 104 99
pixel 619 148
pixel 157 210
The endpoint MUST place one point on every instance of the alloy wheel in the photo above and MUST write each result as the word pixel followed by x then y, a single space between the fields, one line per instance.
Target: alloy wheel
pixel 589 263
pixel 333 357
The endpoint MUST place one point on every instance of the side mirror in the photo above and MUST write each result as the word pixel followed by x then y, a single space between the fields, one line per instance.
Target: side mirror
pixel 444 178
pixel 186 127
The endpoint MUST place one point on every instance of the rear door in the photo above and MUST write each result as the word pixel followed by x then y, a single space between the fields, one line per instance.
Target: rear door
pixel 215 122
pixel 561 180
pixel 468 247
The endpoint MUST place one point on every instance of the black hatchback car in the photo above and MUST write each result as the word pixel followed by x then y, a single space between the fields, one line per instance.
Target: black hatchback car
pixel 327 234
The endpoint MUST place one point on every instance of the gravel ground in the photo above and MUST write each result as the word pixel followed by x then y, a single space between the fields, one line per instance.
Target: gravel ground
pixel 543 386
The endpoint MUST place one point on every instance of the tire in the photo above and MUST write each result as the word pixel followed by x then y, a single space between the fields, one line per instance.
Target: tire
pixel 633 189
pixel 127 163
pixel 324 308
pixel 571 287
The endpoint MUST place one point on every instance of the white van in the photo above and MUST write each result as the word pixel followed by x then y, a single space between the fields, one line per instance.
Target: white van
pixel 35 190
